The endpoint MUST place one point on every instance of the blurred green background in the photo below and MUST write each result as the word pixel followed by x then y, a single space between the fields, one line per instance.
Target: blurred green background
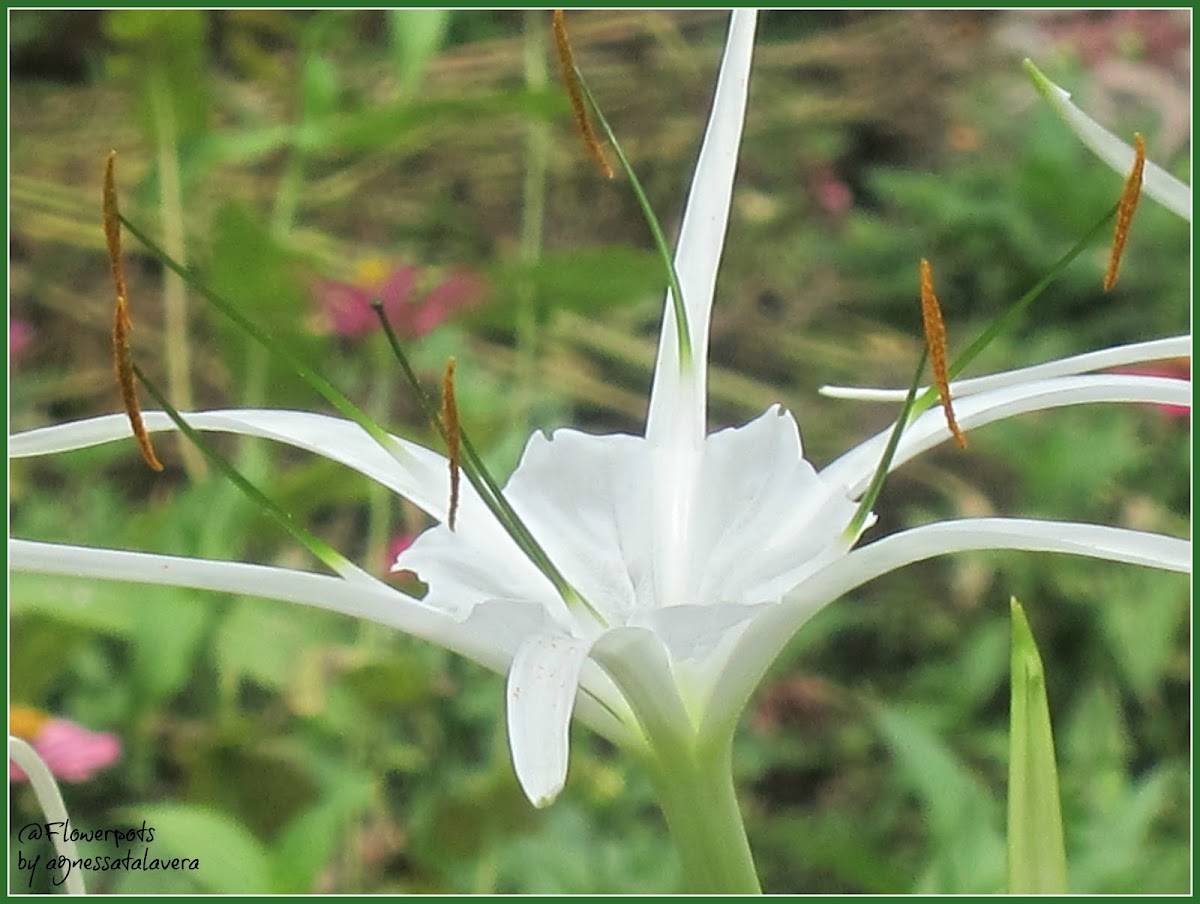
pixel 298 155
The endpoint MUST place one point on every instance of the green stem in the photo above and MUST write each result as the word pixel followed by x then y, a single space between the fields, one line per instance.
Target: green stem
pixel 697 797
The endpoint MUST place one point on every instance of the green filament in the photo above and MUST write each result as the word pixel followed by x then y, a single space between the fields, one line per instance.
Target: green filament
pixel 682 331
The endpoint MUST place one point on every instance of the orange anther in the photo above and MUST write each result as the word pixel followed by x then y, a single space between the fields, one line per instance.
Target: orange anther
pixel 1129 200
pixel 122 352
pixel 935 336
pixel 566 60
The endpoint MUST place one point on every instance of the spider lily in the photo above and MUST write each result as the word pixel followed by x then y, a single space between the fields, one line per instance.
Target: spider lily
pixel 699 555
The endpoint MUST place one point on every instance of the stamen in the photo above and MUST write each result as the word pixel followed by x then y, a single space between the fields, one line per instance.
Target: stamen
pixel 122 351
pixel 566 60
pixel 1129 200
pixel 112 223
pixel 935 337
pixel 449 417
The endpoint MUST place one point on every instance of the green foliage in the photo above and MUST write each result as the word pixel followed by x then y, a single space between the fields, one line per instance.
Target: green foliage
pixel 992 230
pixel 306 752
pixel 163 52
pixel 1036 860
pixel 590 281
pixel 959 813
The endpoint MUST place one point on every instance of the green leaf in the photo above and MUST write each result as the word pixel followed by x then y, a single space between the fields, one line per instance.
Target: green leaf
pixel 165 50
pixel 958 810
pixel 241 653
pixel 168 638
pixel 256 273
pixel 417 35
pixel 320 87
pixel 231 859
pixel 1037 860
pixel 586 280
pixel 308 842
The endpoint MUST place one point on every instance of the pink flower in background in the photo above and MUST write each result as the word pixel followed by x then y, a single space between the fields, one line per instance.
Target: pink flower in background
pixel 1179 368
pixel 346 306
pixel 397 546
pixel 1097 36
pixel 20 334
pixel 833 195
pixel 73 753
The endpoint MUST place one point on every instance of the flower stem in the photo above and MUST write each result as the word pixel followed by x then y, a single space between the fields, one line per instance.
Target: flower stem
pixel 696 794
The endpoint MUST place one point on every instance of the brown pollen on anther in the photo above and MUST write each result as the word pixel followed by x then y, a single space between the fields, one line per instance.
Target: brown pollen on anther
pixel 566 60
pixel 449 417
pixel 935 337
pixel 122 351
pixel 1129 200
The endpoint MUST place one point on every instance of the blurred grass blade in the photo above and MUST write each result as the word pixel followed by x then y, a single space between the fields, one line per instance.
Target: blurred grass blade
pixel 1037 861
pixel 416 37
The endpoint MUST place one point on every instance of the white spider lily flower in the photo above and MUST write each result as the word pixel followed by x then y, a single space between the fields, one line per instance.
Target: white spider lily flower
pixel 699 554
pixel 1156 182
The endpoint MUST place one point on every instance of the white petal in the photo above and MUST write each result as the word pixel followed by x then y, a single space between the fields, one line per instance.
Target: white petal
pixel 701 240
pixel 421 476
pixel 542 685
pixel 638 662
pixel 853 470
pixel 767 635
pixel 50 799
pixel 490 636
pixel 1156 182
pixel 378 603
pixel 584 499
pixel 464 570
pixel 693 632
pixel 507 624
pixel 676 422
pixel 764 518
pixel 1118 356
